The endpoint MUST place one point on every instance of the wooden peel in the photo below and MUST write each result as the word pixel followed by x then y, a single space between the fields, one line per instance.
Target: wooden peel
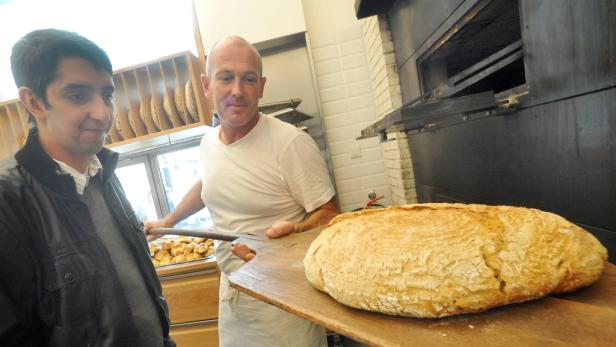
pixel 580 318
pixel 213 234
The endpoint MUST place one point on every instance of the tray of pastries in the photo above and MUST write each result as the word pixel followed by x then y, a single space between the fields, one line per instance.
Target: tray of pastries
pixel 167 251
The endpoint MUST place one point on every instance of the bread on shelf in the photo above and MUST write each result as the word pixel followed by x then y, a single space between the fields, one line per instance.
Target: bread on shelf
pixel 191 103
pixel 118 126
pixel 180 103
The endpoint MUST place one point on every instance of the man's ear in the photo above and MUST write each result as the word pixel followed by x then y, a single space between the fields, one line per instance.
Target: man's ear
pixel 262 85
pixel 205 82
pixel 32 103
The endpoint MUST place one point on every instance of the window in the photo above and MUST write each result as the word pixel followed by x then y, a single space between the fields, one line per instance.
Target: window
pixel 138 190
pixel 156 181
pixel 131 32
pixel 180 170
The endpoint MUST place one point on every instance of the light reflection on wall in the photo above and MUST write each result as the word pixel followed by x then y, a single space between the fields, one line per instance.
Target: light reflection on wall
pixel 131 32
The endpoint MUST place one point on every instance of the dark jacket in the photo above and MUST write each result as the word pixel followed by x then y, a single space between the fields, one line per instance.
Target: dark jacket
pixel 56 275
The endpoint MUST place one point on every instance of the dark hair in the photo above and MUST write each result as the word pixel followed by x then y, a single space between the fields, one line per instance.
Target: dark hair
pixel 35 58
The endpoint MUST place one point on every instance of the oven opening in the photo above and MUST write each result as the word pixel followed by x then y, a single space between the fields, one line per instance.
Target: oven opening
pixel 481 52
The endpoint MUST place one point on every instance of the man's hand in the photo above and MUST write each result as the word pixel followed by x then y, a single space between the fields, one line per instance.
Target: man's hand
pixel 280 229
pixel 320 216
pixel 190 204
pixel 243 251
pixel 149 224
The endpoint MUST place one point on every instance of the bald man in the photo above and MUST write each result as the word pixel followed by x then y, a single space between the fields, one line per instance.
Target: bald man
pixel 259 174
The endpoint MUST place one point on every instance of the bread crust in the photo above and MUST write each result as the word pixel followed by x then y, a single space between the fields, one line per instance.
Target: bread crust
pixel 435 260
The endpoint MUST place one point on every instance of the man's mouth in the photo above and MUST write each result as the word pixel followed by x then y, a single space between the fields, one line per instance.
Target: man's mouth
pixel 96 131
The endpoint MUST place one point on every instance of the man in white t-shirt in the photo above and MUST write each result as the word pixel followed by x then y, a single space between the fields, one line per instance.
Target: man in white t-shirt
pixel 259 174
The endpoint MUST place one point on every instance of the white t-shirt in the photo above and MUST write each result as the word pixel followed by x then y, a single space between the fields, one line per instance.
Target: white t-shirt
pixel 275 172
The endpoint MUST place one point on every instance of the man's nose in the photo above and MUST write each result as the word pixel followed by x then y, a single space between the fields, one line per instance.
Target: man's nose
pixel 236 87
pixel 102 110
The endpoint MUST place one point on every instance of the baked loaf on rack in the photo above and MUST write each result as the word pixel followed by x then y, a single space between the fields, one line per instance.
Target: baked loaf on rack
pixel 180 104
pixel 191 103
pixel 118 126
pixel 435 260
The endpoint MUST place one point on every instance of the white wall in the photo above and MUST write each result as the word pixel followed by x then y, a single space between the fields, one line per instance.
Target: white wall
pixel 386 89
pixel 254 20
pixel 124 29
pixel 326 15
pixel 289 76
pixel 347 100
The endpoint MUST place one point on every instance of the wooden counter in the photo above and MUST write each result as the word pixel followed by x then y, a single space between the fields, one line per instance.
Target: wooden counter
pixel 583 318
pixel 187 267
pixel 191 290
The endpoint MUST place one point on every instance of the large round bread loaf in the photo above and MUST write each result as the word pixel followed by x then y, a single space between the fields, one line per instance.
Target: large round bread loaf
pixel 435 260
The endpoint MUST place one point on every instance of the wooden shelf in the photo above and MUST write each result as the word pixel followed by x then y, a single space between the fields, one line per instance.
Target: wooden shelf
pixel 207 264
pixel 156 98
pixel 13 127
pixel 152 100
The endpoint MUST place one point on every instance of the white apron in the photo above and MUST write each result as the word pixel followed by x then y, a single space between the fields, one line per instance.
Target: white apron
pixel 245 321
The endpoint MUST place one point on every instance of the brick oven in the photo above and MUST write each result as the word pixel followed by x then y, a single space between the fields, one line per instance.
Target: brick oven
pixel 501 102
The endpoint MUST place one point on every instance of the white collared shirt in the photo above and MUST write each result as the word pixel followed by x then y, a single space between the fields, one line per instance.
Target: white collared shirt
pixel 82 179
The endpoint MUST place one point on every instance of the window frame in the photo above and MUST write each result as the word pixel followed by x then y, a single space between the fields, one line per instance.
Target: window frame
pixel 155 180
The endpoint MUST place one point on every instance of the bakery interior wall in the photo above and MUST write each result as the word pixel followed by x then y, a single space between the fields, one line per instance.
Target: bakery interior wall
pixel 313 50
pixel 130 41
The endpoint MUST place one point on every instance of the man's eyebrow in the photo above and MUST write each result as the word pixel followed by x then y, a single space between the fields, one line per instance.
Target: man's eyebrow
pixel 76 86
pixel 79 86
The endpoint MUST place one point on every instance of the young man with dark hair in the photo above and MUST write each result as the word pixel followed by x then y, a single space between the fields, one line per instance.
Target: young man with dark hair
pixel 74 264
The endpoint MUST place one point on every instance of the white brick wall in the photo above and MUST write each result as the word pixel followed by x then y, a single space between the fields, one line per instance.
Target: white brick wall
pixel 382 63
pixel 347 100
pixel 399 169
pixel 387 98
